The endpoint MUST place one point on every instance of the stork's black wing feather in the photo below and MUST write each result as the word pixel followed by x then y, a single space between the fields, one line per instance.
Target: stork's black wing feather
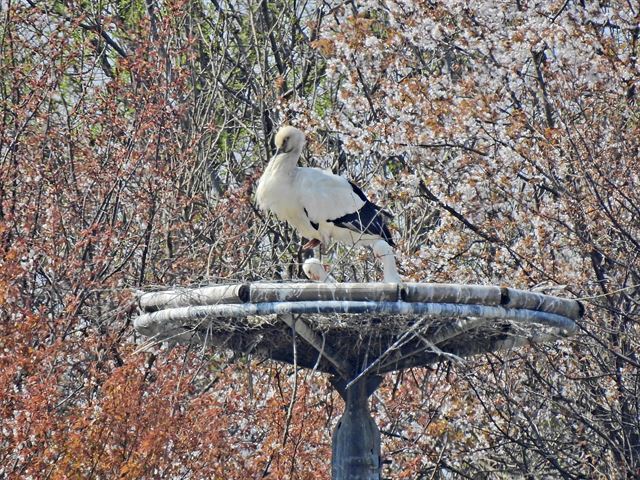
pixel 313 224
pixel 358 191
pixel 369 219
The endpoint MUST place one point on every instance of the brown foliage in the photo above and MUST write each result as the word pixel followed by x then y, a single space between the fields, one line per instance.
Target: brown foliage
pixel 504 137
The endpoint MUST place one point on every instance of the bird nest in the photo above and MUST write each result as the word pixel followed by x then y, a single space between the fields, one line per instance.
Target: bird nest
pixel 349 329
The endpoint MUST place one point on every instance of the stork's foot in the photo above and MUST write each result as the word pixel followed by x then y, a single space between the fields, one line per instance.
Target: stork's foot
pixel 311 244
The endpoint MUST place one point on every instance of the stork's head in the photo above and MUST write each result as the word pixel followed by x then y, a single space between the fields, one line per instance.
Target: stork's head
pixel 289 139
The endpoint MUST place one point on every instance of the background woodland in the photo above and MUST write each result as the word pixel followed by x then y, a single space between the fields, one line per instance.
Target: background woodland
pixel 503 135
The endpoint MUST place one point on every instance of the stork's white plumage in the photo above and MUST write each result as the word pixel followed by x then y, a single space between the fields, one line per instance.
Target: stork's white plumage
pixel 319 204
pixel 314 270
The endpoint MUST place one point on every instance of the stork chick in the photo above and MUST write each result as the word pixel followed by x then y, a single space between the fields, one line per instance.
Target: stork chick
pixel 314 270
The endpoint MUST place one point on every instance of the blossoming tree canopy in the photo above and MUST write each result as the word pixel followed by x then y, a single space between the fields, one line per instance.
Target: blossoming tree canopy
pixel 505 136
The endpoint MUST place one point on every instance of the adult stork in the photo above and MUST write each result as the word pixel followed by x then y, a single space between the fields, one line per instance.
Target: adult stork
pixel 320 205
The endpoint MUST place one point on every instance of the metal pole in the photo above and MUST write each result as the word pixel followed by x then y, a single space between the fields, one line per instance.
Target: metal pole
pixel 356 439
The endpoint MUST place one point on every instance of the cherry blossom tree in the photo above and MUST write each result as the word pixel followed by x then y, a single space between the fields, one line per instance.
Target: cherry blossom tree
pixel 504 136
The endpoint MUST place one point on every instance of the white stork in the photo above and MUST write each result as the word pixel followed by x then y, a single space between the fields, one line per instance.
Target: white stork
pixel 320 205
pixel 314 270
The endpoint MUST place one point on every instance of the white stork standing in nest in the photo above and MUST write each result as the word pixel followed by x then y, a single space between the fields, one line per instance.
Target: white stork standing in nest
pixel 320 205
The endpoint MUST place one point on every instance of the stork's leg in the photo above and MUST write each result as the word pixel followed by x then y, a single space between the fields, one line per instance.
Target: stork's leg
pixel 383 251
pixel 311 244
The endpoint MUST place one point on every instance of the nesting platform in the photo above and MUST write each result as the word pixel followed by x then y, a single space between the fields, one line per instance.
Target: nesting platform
pixel 348 329
pixel 356 332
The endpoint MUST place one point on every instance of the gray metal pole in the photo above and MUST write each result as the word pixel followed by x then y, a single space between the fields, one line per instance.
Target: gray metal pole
pixel 356 439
